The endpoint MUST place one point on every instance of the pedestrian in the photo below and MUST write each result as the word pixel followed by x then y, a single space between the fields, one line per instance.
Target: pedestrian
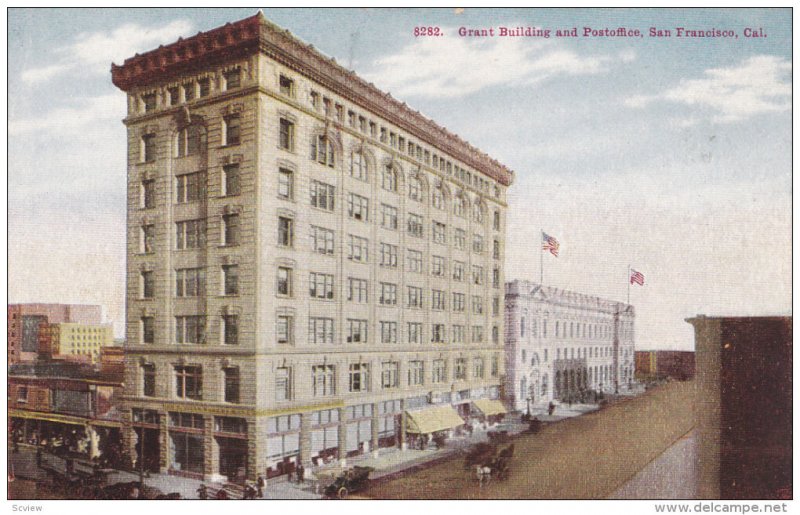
pixel 249 492
pixel 222 495
pixel 290 473
pixel 301 472
pixel 551 408
pixel 202 492
pixel 260 486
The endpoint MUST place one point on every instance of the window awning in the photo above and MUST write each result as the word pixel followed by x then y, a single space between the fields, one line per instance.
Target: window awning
pixel 489 407
pixel 431 420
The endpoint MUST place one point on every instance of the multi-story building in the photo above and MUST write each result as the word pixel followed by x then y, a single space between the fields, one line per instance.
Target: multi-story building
pixel 562 344
pixel 71 340
pixel 25 322
pixel 311 263
pixel 660 364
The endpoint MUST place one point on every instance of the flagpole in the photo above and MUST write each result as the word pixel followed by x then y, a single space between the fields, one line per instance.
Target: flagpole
pixel 629 284
pixel 541 259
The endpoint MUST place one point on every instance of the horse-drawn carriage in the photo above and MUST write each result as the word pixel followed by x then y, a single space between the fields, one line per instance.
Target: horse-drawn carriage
pixel 490 460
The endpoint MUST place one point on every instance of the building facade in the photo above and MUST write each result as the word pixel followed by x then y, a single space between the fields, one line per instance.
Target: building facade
pixel 309 260
pixel 660 364
pixel 561 345
pixel 76 341
pixel 26 323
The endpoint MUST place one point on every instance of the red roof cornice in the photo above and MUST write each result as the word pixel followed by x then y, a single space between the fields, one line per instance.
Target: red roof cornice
pixel 257 34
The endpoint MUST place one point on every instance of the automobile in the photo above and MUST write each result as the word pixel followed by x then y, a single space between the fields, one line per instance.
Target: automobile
pixel 349 481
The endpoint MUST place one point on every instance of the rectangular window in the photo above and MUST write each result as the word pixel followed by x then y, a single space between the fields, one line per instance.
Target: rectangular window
pixel 285 184
pixel 477 244
pixel 414 330
pixel 230 279
pixel 439 371
pixel 339 113
pixel 414 297
pixel 438 266
pixel 477 368
pixel 459 332
pixel 190 282
pixel 357 207
pixel 190 329
pixel 188 382
pixel 322 195
pixel 439 233
pixel 356 331
pixel 149 102
pixel 496 311
pixel 416 372
pixel 458 302
pixel 148 380
pixel 233 129
pixel 230 329
pixel 174 95
pixel 231 230
pixel 460 371
pixel 323 151
pixel 190 187
pixel 324 380
pixel 496 223
pixel 284 286
pixel 320 330
pixel 388 332
pixel 414 260
pixel 231 180
pixel 148 283
pixel 359 377
pixel 495 277
pixel 321 240
pixel 357 290
pixel 148 148
pixel 231 384
pixel 388 255
pixel 389 216
pixel 496 249
pixel 189 91
pixel 438 333
pixel 496 364
pixel 284 328
pixel 458 270
pixel 383 135
pixel 415 225
pixel 315 100
pixel 358 249
pixel 320 285
pixel 233 78
pixel 477 304
pixel 389 374
pixel 460 239
pixel 283 384
pixel 148 194
pixel 438 300
pixel 351 119
pixel 204 86
pixel 388 294
pixel 477 334
pixel 477 274
pixel 286 134
pixel 190 234
pixel 373 128
pixel 148 325
pixel 389 178
pixel 285 232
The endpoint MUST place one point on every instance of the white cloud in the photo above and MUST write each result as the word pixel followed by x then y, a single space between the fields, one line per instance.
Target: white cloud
pixel 456 66
pixel 90 110
pixel 759 84
pixel 93 52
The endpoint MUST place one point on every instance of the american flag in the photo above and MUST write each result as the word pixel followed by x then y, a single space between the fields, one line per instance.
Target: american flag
pixel 637 277
pixel 550 243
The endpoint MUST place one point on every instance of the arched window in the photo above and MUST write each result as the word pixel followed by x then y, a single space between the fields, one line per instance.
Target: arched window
pixel 323 151
pixel 523 388
pixel 190 140
pixel 460 206
pixel 522 327
pixel 544 385
pixel 389 178
pixel 359 168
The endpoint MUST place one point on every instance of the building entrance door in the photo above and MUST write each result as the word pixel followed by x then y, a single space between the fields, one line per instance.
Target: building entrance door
pixel 233 458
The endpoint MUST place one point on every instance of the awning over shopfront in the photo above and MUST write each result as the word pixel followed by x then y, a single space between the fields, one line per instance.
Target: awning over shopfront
pixel 489 407
pixel 431 420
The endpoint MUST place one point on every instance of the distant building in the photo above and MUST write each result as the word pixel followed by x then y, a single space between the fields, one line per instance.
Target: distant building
pixel 744 407
pixel 25 322
pixel 562 344
pixel 659 364
pixel 69 340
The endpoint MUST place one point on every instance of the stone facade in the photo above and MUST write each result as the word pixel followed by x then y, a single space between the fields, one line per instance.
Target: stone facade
pixel 560 344
pixel 283 218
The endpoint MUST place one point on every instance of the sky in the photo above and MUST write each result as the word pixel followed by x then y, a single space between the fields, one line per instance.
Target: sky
pixel 671 155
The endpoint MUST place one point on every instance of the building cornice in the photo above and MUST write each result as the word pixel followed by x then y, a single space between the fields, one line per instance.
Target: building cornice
pixel 256 34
